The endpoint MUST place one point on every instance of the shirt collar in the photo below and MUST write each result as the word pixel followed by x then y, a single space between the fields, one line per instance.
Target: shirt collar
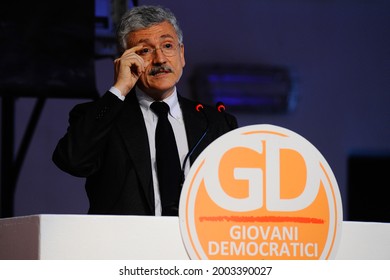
pixel 145 101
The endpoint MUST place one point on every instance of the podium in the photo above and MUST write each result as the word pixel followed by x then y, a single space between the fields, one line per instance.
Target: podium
pixel 88 237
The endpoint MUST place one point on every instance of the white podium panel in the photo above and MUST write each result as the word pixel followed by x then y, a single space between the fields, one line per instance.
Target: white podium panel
pixel 77 237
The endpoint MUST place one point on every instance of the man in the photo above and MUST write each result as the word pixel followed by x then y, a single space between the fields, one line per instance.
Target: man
pixel 111 141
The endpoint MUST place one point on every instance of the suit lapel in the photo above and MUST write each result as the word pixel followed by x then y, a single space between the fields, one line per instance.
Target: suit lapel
pixel 133 130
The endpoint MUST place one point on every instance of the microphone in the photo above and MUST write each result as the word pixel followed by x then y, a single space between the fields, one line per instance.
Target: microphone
pixel 222 109
pixel 199 108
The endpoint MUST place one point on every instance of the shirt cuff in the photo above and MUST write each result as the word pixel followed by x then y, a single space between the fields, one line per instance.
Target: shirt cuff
pixel 117 93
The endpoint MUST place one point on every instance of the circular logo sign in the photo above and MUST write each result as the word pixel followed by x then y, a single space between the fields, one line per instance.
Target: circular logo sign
pixel 260 192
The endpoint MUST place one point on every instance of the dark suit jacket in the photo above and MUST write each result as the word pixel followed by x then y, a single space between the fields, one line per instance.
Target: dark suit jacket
pixel 106 142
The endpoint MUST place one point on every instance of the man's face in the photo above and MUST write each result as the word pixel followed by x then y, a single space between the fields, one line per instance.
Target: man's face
pixel 163 56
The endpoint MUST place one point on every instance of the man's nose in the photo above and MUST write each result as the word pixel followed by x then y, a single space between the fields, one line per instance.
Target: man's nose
pixel 159 56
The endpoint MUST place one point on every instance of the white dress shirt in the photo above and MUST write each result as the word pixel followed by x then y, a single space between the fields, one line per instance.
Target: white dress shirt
pixel 175 117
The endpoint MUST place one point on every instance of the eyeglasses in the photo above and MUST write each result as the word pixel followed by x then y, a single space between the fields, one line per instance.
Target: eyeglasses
pixel 168 49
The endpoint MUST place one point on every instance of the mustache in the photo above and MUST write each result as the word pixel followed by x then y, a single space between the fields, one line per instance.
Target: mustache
pixel 160 68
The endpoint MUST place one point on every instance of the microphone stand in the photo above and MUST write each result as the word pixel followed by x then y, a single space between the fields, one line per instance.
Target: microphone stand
pixel 198 108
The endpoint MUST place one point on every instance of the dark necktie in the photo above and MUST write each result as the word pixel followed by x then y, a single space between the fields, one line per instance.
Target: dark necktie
pixel 168 162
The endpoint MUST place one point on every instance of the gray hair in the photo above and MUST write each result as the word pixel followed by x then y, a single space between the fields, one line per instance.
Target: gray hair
pixel 143 17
